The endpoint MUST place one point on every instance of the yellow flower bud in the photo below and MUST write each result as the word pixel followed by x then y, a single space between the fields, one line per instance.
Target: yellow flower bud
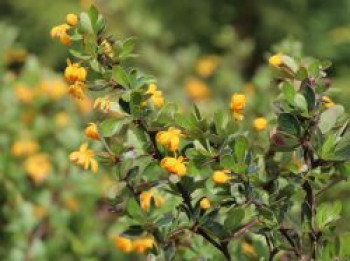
pixel 248 249
pixel 76 90
pixel 196 89
pixel 327 102
pixel 24 148
pixel 157 96
pixel 123 244
pixel 146 197
pixel 221 177
pixel 170 138
pixel 91 132
pixel 260 124
pixel 72 19
pixel 37 168
pixel 204 203
pixel 206 65
pixel 276 60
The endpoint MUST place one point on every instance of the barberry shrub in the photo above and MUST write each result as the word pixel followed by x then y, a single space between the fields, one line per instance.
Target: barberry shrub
pixel 197 186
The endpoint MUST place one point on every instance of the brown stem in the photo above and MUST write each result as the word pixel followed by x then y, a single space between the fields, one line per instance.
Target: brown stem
pixel 242 230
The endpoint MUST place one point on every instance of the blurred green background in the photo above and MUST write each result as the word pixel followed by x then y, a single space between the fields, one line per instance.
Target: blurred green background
pixel 173 36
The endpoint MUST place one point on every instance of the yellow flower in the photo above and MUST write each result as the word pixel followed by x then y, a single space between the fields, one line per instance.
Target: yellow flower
pixel 55 89
pixel 74 72
pixel 157 96
pixel 327 102
pixel 24 148
pixel 238 102
pixel 260 124
pixel 61 119
pixel 76 90
pixel 204 203
pixel 141 245
pixel 91 132
pixel 72 19
pixel 146 197
pixel 60 32
pixel 276 60
pixel 248 249
pixel 174 165
pixel 84 158
pixel 103 104
pixel 84 106
pixel 71 204
pixel 37 167
pixel 107 48
pixel 206 65
pixel 123 244
pixel 221 177
pixel 24 94
pixel 170 138
pixel 196 89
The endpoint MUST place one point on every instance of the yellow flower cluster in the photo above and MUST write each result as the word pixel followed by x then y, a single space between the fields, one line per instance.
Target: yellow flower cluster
pixel 170 138
pixel 91 132
pixel 76 76
pixel 204 203
pixel 238 102
pixel 174 165
pixel 196 89
pixel 139 245
pixel 221 176
pixel 157 96
pixel 85 158
pixel 276 60
pixel 60 31
pixel 260 124
pixel 147 196
pixel 206 65
pixel 37 167
pixel 327 102
pixel 24 147
pixel 103 104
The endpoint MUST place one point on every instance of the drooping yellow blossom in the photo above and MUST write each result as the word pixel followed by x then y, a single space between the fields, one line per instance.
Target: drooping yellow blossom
pixel 76 90
pixel 276 60
pixel 84 158
pixel 170 138
pixel 24 94
pixel 204 203
pixel 141 245
pixel 91 132
pixel 37 167
pixel 157 96
pixel 237 105
pixel 39 212
pixel 174 165
pixel 248 249
pixel 60 32
pixel 196 89
pixel 147 196
pixel 221 176
pixel 71 204
pixel 103 104
pixel 74 72
pixel 260 124
pixel 327 102
pixel 24 148
pixel 206 65
pixel 72 19
pixel 123 244
pixel 61 119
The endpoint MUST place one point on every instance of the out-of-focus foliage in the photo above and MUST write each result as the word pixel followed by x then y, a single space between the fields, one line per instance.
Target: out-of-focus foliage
pixel 49 209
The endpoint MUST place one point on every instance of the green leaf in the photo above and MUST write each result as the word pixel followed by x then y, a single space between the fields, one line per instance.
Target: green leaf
pixel 309 95
pixel 234 218
pixel 240 148
pixel 328 146
pixel 120 76
pixel 327 214
pixel 111 126
pixel 288 123
pixel 289 92
pixel 86 24
pixel 342 149
pixel 300 102
pixel 301 74
pixel 314 69
pixel 329 118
